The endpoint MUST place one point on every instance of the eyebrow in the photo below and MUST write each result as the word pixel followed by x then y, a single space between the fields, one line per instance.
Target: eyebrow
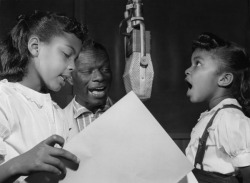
pixel 198 57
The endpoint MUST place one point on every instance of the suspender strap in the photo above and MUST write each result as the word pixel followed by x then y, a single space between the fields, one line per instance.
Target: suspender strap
pixel 203 140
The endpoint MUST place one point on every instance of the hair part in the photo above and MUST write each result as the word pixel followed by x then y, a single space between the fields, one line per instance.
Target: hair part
pixel 14 53
pixel 232 58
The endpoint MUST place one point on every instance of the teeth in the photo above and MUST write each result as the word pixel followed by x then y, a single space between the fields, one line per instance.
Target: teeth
pixel 97 89
pixel 66 78
pixel 70 80
pixel 62 78
pixel 98 93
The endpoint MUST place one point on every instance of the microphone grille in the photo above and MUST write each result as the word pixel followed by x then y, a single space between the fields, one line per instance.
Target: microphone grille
pixel 137 78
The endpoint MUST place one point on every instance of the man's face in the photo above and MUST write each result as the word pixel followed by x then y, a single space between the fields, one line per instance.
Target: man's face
pixel 92 78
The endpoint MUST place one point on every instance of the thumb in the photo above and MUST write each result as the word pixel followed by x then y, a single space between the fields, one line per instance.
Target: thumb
pixel 54 139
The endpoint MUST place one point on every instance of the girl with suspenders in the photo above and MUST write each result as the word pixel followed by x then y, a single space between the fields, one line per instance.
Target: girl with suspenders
pixel 220 142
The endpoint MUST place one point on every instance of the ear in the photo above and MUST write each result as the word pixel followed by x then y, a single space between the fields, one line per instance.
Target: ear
pixel 33 45
pixel 225 79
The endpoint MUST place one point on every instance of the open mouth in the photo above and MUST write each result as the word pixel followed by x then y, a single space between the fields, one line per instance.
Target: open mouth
pixel 189 84
pixel 98 91
pixel 67 78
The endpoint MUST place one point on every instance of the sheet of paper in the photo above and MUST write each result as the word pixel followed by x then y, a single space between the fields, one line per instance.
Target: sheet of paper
pixel 189 178
pixel 126 145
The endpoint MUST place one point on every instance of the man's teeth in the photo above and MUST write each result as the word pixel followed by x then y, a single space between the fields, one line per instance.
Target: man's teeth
pixel 98 93
pixel 100 88
pixel 97 89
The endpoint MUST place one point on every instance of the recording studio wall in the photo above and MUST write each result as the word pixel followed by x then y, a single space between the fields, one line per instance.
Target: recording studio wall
pixel 173 25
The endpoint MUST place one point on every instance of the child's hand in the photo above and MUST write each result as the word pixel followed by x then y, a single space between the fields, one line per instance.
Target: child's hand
pixel 44 157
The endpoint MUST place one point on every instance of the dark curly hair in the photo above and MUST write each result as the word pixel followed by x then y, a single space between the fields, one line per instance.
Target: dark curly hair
pixel 14 53
pixel 233 59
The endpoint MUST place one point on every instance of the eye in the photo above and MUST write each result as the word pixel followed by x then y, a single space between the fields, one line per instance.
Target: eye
pixel 67 55
pixel 85 71
pixel 106 70
pixel 197 63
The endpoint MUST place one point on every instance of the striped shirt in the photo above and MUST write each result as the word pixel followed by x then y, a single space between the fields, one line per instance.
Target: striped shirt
pixel 84 116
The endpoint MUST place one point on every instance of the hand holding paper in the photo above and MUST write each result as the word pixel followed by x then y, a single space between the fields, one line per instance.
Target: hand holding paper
pixel 126 144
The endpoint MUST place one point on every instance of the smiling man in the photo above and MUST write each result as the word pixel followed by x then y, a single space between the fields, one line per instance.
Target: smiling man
pixel 91 82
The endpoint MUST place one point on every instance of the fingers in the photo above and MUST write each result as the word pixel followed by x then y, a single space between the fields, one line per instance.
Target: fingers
pixel 54 139
pixel 57 152
pixel 55 166
pixel 51 157
pixel 53 169
pixel 40 159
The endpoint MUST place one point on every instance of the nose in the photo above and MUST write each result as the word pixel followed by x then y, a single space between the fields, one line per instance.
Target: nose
pixel 71 66
pixel 188 71
pixel 97 76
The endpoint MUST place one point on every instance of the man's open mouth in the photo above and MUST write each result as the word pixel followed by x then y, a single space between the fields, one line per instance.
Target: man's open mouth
pixel 98 91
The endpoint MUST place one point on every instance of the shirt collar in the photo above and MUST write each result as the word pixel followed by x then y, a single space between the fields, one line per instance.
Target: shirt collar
pixel 220 105
pixel 38 98
pixel 78 109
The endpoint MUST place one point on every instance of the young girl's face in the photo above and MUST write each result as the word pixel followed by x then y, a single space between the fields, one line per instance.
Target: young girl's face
pixel 202 76
pixel 56 60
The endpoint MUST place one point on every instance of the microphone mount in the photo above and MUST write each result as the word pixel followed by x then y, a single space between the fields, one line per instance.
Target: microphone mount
pixel 138 73
pixel 133 16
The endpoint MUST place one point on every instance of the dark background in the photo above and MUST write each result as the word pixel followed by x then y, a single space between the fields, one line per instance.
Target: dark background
pixel 173 25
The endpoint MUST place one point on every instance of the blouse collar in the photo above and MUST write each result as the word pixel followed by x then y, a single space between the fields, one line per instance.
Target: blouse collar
pixel 32 95
pixel 220 105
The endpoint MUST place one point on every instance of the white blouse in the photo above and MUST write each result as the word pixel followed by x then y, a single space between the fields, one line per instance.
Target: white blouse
pixel 228 144
pixel 27 117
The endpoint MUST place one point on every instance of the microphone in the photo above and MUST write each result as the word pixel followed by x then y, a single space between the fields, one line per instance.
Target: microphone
pixel 138 74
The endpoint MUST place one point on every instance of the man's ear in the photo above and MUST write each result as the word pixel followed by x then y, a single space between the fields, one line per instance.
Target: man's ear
pixel 225 79
pixel 33 46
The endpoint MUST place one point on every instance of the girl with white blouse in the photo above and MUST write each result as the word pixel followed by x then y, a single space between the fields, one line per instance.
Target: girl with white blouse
pixel 220 142
pixel 38 53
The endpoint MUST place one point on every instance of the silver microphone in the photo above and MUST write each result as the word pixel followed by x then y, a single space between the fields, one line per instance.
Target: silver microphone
pixel 138 75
